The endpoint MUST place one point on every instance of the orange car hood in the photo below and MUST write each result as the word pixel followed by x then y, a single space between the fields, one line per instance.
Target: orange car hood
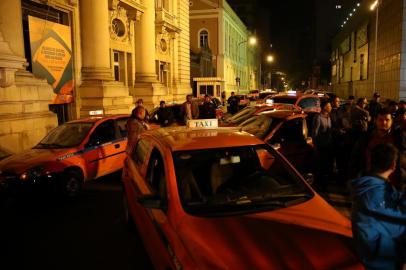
pixel 18 163
pixel 290 238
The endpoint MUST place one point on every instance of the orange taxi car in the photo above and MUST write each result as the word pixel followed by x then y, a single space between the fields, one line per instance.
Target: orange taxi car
pixel 70 154
pixel 219 198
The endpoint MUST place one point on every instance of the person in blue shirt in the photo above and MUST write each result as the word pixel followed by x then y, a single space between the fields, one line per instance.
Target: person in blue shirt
pixel 379 213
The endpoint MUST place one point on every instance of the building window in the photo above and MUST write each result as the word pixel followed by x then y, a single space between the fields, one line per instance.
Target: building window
pixel 204 39
pixel 116 58
pixel 163 69
pixel 361 67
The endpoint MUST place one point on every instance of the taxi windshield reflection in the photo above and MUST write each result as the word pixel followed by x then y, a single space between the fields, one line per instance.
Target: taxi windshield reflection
pixel 66 135
pixel 236 180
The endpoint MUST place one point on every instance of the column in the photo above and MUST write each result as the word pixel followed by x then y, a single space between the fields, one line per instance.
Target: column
pixel 11 25
pixel 95 40
pixel 145 44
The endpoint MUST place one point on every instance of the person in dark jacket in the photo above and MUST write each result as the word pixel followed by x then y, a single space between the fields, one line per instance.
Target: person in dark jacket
pixel 373 107
pixel 208 110
pixel 379 214
pixel 233 101
pixel 383 132
pixel 322 136
pixel 165 115
pixel 136 124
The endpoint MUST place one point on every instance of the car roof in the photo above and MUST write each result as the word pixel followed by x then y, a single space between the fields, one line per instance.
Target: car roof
pixel 98 118
pixel 296 95
pixel 183 138
pixel 281 114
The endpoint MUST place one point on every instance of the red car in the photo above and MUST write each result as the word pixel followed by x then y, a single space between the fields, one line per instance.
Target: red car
pixel 308 103
pixel 287 131
pixel 222 199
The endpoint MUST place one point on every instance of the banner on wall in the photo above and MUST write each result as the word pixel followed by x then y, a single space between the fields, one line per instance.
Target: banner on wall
pixel 51 54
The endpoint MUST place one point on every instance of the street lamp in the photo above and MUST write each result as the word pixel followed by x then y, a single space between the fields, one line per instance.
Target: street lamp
pixel 375 5
pixel 270 59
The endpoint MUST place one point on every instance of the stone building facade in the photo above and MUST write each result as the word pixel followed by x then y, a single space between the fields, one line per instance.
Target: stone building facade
pixel 355 66
pixel 122 50
pixel 214 24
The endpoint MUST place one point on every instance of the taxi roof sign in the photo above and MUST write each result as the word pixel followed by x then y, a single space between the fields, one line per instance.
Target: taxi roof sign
pixel 202 123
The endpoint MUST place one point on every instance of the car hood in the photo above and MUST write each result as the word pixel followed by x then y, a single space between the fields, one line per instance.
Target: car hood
pixel 282 239
pixel 18 163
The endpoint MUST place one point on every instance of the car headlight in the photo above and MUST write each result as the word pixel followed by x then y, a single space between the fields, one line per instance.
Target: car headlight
pixel 33 173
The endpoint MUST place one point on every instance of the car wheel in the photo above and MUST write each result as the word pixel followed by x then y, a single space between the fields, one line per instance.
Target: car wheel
pixel 71 184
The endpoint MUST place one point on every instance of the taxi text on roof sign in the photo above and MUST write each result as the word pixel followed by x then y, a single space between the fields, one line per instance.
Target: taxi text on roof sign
pixel 202 123
pixel 98 112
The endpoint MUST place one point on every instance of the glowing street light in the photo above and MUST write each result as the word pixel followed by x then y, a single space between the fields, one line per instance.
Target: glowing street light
pixel 252 40
pixel 269 58
pixel 373 5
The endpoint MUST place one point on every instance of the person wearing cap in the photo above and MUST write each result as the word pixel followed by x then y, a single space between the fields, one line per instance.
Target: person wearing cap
pixel 208 110
pixel 373 107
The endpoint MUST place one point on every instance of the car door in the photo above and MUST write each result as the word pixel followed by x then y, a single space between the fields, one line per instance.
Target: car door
pixel 147 176
pixel 102 151
pixel 293 140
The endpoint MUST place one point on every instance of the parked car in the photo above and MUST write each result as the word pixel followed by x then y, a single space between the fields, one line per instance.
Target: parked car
pixel 287 131
pixel 4 153
pixel 222 199
pixel 253 95
pixel 69 155
pixel 308 103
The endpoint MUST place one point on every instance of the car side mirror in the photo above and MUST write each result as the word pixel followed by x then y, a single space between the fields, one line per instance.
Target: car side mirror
pixel 152 202
pixel 309 178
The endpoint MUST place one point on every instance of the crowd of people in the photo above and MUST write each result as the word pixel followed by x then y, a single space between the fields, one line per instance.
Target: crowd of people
pixel 362 145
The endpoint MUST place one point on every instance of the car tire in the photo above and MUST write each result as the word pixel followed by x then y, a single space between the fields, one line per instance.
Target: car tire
pixel 72 183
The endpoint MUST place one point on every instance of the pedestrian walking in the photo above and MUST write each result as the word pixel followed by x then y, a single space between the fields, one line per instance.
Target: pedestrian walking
pixel 233 101
pixel 189 109
pixel 379 213
pixel 322 136
pixel 374 106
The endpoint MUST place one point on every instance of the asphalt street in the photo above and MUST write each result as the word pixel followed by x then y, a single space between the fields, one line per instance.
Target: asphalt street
pixel 41 231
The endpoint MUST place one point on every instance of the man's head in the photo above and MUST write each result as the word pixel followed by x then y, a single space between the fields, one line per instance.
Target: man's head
pixel 393 106
pixel 162 104
pixel 383 121
pixel 376 97
pixel 362 102
pixel 232 93
pixel 206 98
pixel 384 158
pixel 140 102
pixel 336 102
pixel 189 98
pixel 326 106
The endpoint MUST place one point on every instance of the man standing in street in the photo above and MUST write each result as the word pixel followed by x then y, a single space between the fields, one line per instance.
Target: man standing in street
pixel 165 116
pixel 379 213
pixel 208 110
pixel 359 118
pixel 189 109
pixel 374 106
pixel 383 132
pixel 233 101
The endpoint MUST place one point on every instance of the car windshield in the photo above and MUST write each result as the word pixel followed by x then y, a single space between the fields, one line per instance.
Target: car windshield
pixel 242 115
pixel 259 126
pixel 237 180
pixel 285 100
pixel 66 135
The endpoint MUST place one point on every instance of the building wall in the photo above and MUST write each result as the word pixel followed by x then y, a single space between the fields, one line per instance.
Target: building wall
pixel 24 114
pixel 228 38
pixel 347 67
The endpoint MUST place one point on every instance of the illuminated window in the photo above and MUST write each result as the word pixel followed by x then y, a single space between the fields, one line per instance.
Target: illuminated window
pixel 204 38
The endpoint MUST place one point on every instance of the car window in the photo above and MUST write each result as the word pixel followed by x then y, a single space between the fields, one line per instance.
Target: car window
pixel 66 135
pixel 236 180
pixel 141 151
pixel 257 126
pixel 105 132
pixel 242 115
pixel 290 131
pixel 309 103
pixel 156 175
pixel 284 100
pixel 122 126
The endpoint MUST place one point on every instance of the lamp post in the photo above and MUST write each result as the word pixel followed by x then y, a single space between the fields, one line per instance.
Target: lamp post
pixel 251 41
pixel 375 5
pixel 270 59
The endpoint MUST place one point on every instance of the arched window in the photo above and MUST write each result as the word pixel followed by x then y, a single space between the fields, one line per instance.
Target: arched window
pixel 204 39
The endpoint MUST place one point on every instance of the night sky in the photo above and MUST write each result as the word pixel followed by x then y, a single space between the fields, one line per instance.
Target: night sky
pixel 300 32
